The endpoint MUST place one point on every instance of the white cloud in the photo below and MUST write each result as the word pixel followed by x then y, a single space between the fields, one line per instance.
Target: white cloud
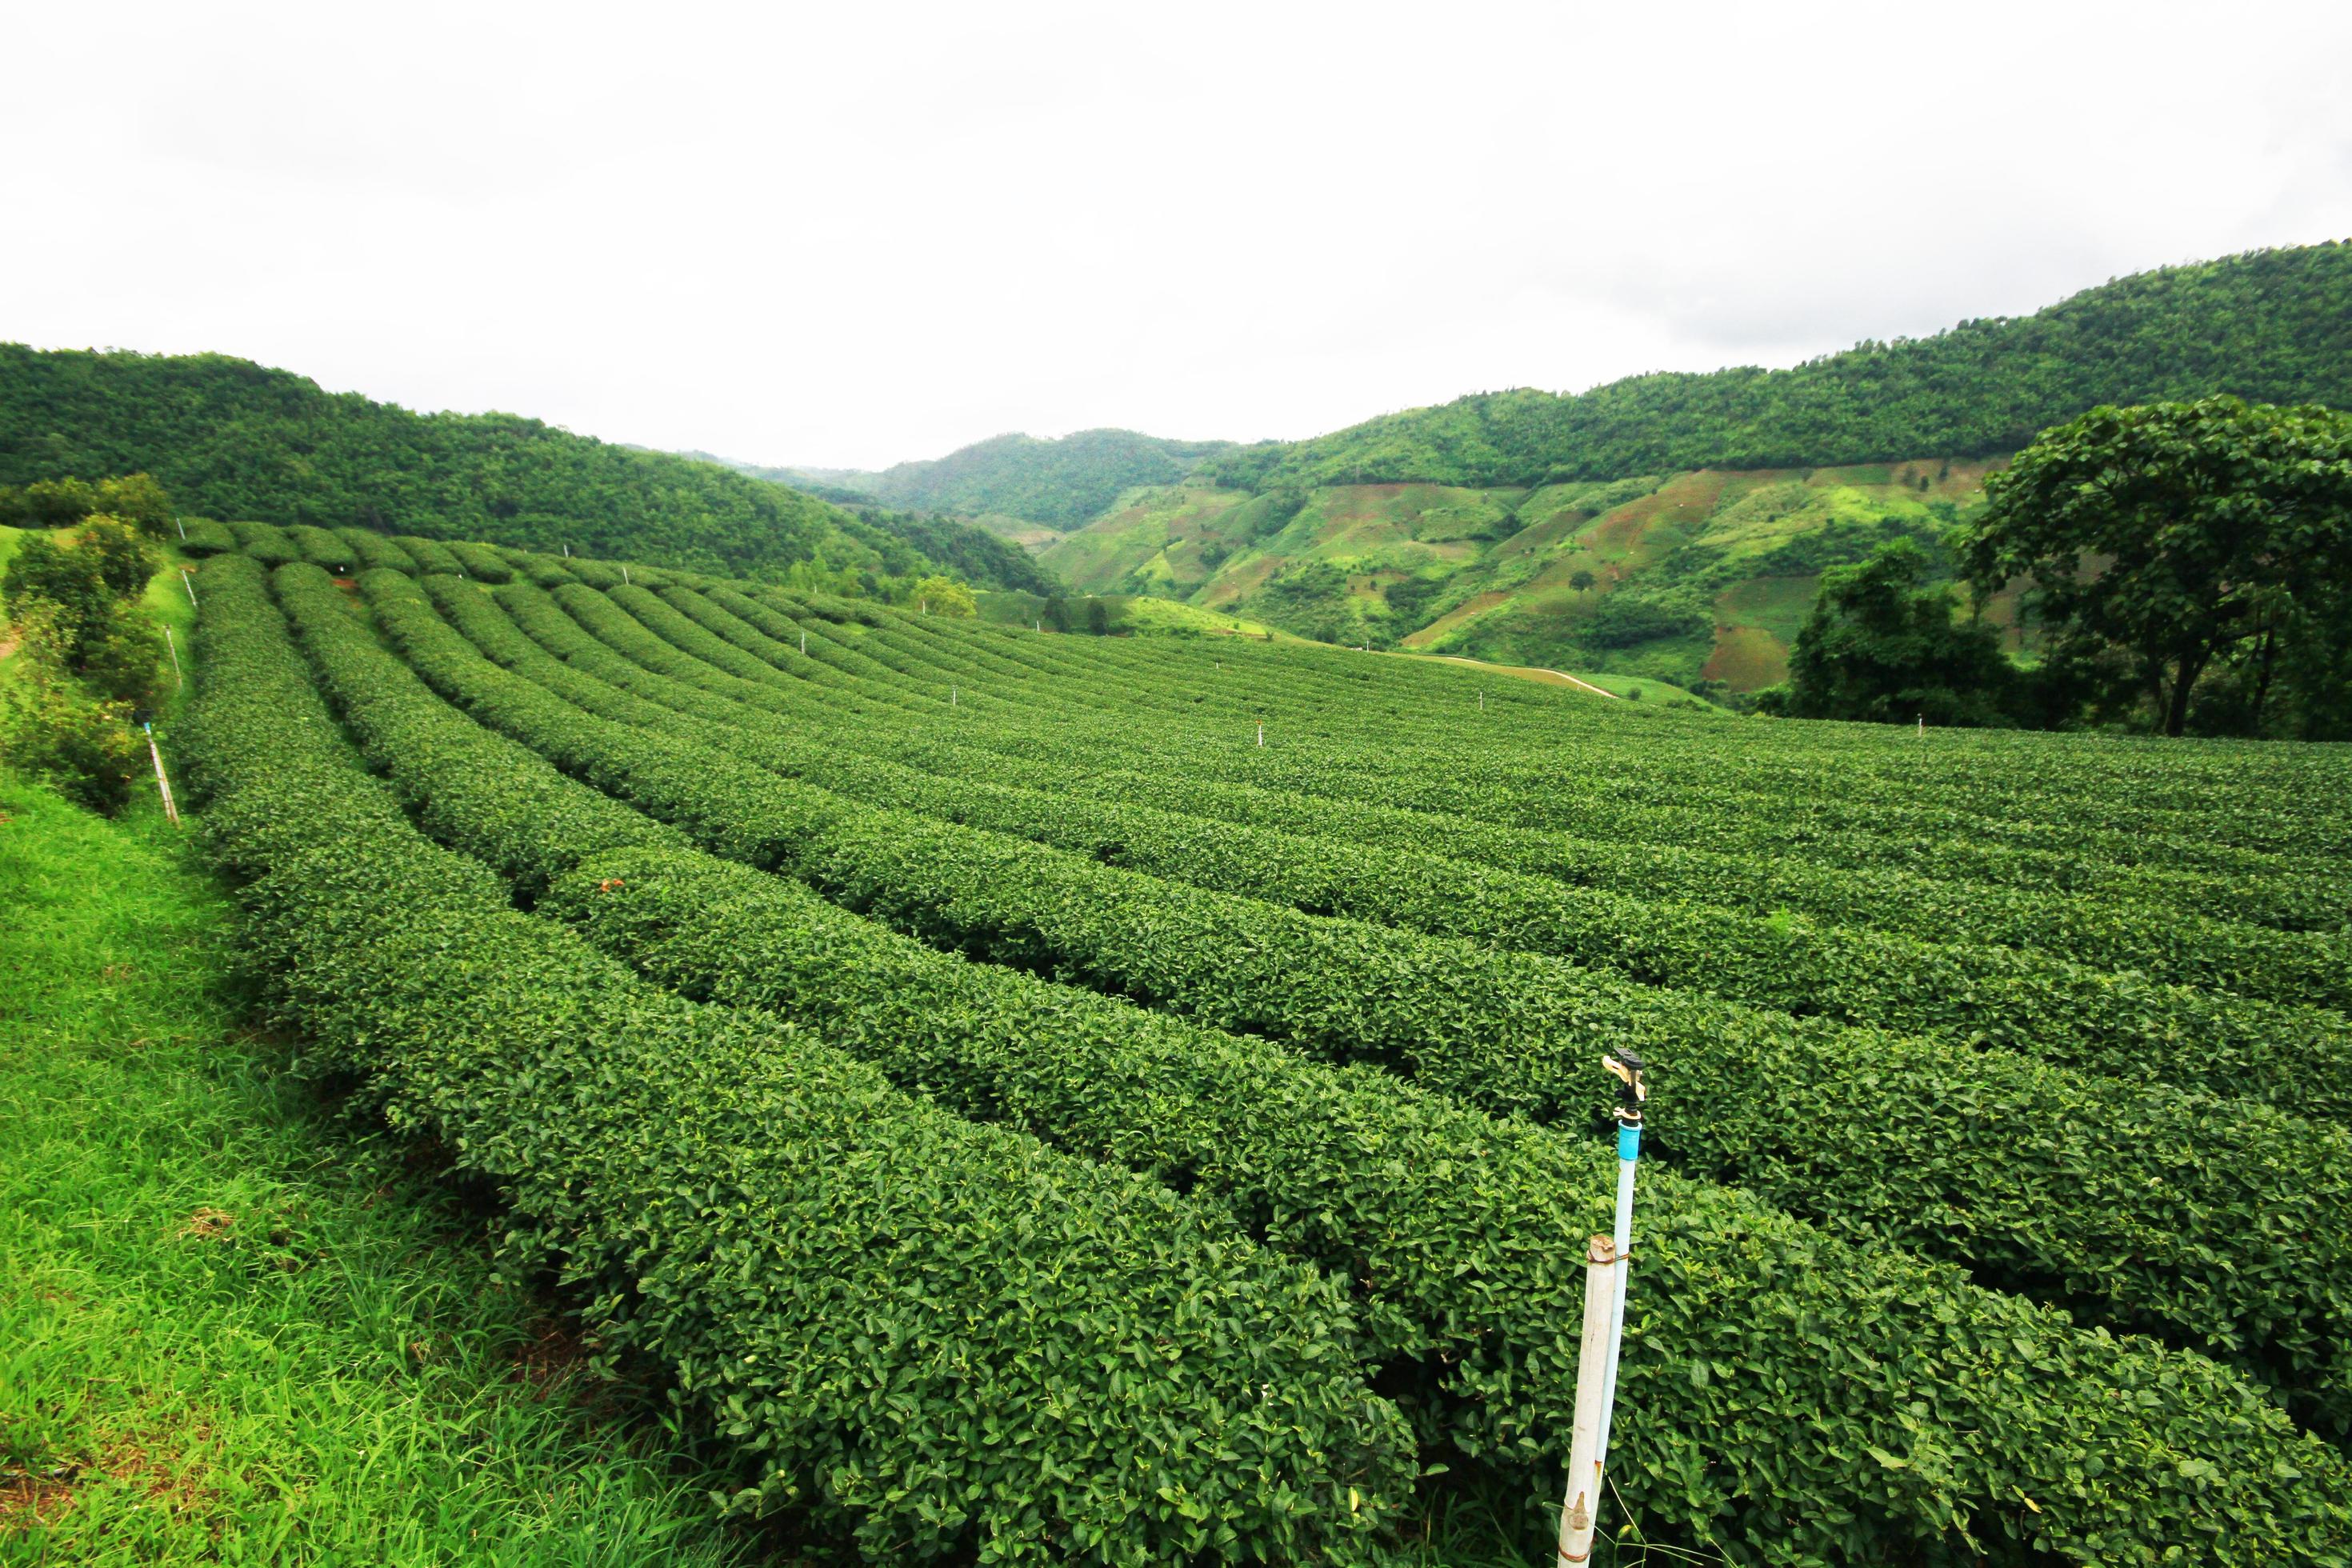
pixel 852 235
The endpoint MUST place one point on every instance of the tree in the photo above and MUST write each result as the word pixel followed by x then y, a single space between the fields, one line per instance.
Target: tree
pixel 52 729
pixel 1881 644
pixel 2163 541
pixel 137 501
pixel 76 601
pixel 69 580
pixel 57 503
pixel 945 596
pixel 1582 580
pixel 124 562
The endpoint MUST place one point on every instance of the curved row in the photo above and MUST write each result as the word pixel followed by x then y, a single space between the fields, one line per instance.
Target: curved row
pixel 2118 1218
pixel 933 1336
pixel 1403 1191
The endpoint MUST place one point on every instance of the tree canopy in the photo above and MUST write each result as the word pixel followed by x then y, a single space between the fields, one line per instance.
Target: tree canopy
pixel 1881 644
pixel 2270 325
pixel 2180 544
pixel 230 439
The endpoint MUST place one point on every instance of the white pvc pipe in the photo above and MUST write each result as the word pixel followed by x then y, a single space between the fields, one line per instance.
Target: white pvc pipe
pixel 1628 1151
pixel 1579 1509
pixel 162 780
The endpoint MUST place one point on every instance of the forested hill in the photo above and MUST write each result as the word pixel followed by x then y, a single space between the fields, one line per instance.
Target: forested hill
pixel 2272 326
pixel 230 439
pixel 1061 483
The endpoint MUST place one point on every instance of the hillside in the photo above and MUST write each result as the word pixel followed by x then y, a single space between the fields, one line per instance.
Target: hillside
pixel 1011 480
pixel 1676 526
pixel 233 439
pixel 2272 326
pixel 1693 577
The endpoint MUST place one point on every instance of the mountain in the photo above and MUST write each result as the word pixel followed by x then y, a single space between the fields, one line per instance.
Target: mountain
pixel 2272 326
pixel 971 549
pixel 1676 526
pixel 233 439
pixel 1057 485
pixel 1699 576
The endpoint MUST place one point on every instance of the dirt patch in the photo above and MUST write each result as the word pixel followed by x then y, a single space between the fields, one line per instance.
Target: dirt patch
pixel 209 1224
pixel 155 1465
pixel 553 1359
pixel 31 1498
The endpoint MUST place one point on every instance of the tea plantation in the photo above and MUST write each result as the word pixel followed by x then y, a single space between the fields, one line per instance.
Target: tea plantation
pixel 1125 1100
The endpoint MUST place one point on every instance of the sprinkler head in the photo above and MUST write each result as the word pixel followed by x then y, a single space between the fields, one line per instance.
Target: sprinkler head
pixel 1626 1068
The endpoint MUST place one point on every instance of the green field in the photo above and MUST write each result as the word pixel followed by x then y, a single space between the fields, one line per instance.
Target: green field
pixel 902 1015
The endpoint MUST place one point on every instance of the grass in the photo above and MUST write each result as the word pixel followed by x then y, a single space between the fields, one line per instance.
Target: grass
pixel 9 539
pixel 1640 688
pixel 1148 615
pixel 229 1332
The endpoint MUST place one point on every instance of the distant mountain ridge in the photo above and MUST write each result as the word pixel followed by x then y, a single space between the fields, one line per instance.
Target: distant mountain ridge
pixel 1060 483
pixel 1676 526
pixel 230 439
pixel 2271 326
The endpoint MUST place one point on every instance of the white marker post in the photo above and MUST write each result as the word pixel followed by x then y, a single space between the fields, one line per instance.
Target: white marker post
pixel 1261 733
pixel 803 641
pixel 1607 1259
pixel 1482 702
pixel 1632 1093
pixel 173 649
pixel 1579 1512
pixel 191 587
pixel 162 780
pixel 625 574
pixel 951 694
pixel 183 528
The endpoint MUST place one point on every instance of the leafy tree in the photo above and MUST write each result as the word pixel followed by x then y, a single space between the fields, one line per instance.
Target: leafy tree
pixel 51 729
pixel 1410 599
pixel 139 501
pixel 945 596
pixel 121 658
pixel 73 606
pixel 124 561
pixel 57 503
pixel 71 582
pixel 2166 541
pixel 1582 580
pixel 1881 644
pixel 1623 620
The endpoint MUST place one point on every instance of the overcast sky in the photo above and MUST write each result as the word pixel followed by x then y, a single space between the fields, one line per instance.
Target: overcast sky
pixel 852 234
